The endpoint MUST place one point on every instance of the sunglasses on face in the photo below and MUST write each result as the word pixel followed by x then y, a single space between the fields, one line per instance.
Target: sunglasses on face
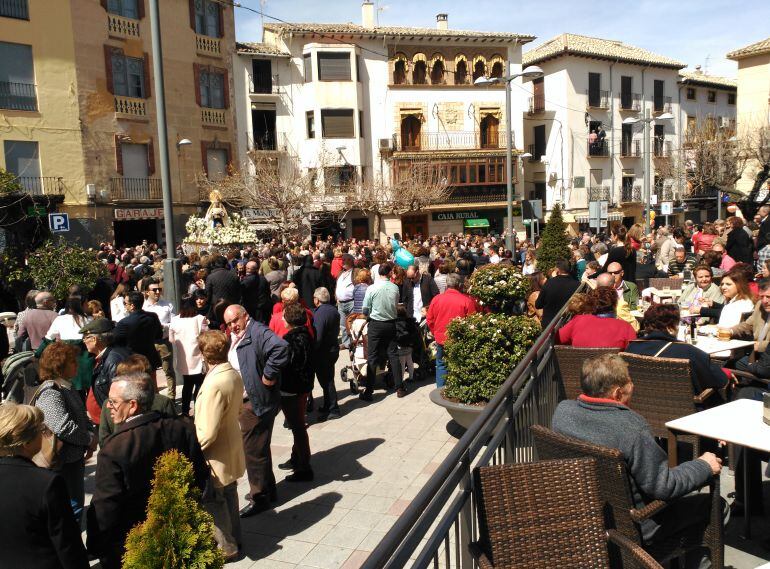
pixel 155 289
pixel 614 272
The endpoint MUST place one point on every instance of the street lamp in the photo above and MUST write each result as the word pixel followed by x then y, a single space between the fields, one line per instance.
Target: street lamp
pixel 646 121
pixel 532 72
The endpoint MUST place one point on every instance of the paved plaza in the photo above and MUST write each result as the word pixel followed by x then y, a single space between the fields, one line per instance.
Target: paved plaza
pixel 368 466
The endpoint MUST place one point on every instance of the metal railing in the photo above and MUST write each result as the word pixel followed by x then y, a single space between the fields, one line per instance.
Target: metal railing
pixel 15 9
pixel 18 96
pixel 535 153
pixel 662 148
pixel 450 140
pixel 599 193
pixel 630 102
pixel 264 84
pixel 661 104
pixel 598 148
pixel 537 104
pixel 631 148
pixel 41 185
pixel 631 194
pixel 598 99
pixel 474 195
pixel 127 189
pixel 443 512
pixel 269 141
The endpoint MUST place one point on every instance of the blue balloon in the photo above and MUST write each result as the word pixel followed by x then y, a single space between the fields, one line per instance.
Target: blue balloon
pixel 404 258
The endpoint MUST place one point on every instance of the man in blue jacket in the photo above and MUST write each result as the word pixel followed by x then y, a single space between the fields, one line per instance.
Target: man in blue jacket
pixel 326 322
pixel 260 356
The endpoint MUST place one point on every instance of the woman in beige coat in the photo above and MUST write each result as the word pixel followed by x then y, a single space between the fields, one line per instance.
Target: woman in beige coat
pixel 216 422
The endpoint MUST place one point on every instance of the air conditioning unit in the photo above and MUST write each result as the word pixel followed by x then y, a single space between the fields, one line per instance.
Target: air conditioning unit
pixel 91 191
pixel 725 122
pixel 386 144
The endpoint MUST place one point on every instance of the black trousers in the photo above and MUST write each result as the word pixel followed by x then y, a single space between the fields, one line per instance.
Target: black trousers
pixel 381 339
pixel 257 433
pixel 192 383
pixel 324 371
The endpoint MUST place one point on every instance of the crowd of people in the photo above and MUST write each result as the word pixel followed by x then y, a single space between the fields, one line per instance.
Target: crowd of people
pixel 257 326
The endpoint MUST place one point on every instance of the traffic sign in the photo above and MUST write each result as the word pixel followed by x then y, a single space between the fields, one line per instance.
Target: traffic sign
pixel 59 222
pixel 666 208
pixel 36 211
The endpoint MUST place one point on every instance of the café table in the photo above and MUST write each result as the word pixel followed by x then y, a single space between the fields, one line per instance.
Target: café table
pixel 738 422
pixel 712 345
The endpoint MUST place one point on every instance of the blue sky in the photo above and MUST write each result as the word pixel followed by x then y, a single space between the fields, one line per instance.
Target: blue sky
pixel 687 30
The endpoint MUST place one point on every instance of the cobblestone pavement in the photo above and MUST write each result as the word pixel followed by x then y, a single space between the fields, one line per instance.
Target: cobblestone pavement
pixel 368 465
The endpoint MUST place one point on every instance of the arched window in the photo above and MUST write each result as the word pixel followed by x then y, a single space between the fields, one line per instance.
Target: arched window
pixel 437 72
pixel 410 132
pixel 490 132
pixel 461 72
pixel 479 69
pixel 420 73
pixel 497 69
pixel 399 72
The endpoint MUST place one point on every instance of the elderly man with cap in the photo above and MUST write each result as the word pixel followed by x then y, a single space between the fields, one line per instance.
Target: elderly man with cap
pixel 99 341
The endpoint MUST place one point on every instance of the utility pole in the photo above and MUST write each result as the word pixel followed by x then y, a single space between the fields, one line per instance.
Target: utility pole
pixel 647 166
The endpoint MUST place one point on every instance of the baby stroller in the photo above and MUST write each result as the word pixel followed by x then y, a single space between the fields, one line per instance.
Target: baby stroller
pixel 20 377
pixel 357 371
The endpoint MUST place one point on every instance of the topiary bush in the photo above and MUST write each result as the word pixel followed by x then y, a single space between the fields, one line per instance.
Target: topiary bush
pixel 554 242
pixel 501 288
pixel 178 532
pixel 482 350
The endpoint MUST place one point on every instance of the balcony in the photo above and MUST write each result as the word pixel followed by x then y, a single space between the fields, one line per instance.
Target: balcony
pixel 130 108
pixel 536 105
pixel 264 85
pixel 662 148
pixel 598 99
pixel 460 140
pixel 135 189
pixel 664 193
pixel 599 194
pixel 536 153
pixel 18 9
pixel 120 27
pixel 630 102
pixel 475 195
pixel 266 142
pixel 208 46
pixel 41 186
pixel 213 118
pixel 598 149
pixel 661 104
pixel 18 96
pixel 631 194
pixel 630 148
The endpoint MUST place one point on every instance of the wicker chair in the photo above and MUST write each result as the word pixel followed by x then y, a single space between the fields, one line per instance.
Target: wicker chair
pixel 666 283
pixel 615 492
pixel 663 392
pixel 546 515
pixel 570 362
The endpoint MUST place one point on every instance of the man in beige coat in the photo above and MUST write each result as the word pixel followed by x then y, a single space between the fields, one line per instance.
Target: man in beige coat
pixel 216 423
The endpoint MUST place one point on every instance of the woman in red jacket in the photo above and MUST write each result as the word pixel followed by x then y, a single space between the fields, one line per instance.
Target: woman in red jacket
pixel 601 328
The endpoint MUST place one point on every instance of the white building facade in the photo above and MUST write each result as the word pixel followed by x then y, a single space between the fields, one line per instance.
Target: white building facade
pixel 356 103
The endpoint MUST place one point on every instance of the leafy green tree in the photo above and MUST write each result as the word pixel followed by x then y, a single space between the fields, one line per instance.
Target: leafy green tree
pixel 55 266
pixel 8 183
pixel 554 243
pixel 178 532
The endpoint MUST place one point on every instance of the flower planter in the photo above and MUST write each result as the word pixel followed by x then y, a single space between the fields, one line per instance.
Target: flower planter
pixel 462 414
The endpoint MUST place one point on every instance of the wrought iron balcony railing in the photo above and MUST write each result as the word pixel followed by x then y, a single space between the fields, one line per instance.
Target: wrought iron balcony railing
pixel 41 185
pixel 599 193
pixel 598 149
pixel 631 194
pixel 661 104
pixel 662 148
pixel 598 99
pixel 630 148
pixel 129 189
pixel 18 9
pixel 536 104
pixel 263 84
pixel 630 102
pixel 475 195
pixel 459 140
pixel 18 96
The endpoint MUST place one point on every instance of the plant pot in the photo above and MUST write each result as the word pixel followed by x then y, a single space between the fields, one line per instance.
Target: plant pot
pixel 462 414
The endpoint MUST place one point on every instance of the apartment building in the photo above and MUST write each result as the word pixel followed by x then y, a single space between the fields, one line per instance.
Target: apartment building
pixel 357 103
pixel 81 109
pixel 753 98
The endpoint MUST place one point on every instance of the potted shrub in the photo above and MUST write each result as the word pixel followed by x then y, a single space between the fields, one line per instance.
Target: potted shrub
pixel 500 288
pixel 481 351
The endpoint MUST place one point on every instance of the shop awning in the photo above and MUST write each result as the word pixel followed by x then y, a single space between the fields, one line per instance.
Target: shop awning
pixel 611 216
pixel 471 223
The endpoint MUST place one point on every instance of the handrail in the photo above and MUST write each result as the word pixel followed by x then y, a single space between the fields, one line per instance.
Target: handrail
pixel 411 527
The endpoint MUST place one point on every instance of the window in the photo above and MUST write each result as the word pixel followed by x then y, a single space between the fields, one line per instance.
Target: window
pixel 128 76
pixel 658 88
pixel 399 72
pixel 18 9
pixel 497 69
pixel 712 96
pixel 731 98
pixel 594 90
pixel 333 66
pixel 208 18
pixel 626 139
pixel 437 73
pixel 479 69
pixel 419 73
pixel 461 72
pixel 212 89
pixel 358 68
pixel 308 67
pixel 135 160
pixel 216 163
pixel 360 124
pixel 540 142
pixel 626 92
pixel 22 158
pixel 262 76
pixel 340 178
pixel 690 93
pixel 310 123
pixel 125 8
pixel 337 123
pixel 17 77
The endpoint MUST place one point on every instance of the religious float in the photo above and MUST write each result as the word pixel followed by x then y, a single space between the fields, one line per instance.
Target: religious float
pixel 217 231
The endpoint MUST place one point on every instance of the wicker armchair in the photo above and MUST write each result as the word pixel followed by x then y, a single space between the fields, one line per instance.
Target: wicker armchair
pixel 666 283
pixel 570 362
pixel 547 515
pixel 663 392
pixel 615 492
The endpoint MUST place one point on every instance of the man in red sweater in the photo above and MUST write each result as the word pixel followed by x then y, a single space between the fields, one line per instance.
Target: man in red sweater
pixel 445 307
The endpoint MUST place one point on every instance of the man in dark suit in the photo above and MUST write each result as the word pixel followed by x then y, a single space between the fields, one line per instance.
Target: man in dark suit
pixel 556 291
pixel 222 284
pixel 256 293
pixel 763 236
pixel 140 330
pixel 124 471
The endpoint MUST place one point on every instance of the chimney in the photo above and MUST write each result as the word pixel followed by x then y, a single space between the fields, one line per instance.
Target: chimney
pixel 698 69
pixel 442 22
pixel 367 14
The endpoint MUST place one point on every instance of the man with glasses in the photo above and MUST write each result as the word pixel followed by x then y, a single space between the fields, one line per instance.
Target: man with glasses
pixel 626 290
pixel 165 311
pixel 139 330
pixel 260 356
pixel 124 471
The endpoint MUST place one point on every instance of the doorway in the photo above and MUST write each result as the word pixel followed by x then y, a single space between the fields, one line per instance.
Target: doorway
pixel 132 233
pixel 359 229
pixel 263 125
pixel 410 133
pixel 412 225
pixel 490 132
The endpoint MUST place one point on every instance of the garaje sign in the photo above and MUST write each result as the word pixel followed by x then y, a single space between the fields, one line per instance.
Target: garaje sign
pixel 134 213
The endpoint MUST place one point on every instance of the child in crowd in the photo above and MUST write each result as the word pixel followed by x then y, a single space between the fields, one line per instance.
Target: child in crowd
pixel 406 337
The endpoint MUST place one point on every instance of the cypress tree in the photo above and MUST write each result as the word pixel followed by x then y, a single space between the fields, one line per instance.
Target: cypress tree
pixel 554 242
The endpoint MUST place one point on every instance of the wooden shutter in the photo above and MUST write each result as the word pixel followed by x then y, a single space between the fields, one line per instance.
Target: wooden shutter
pixel 147 76
pixel 108 51
pixel 192 14
pixel 337 123
pixel 197 79
pixel 140 8
pixel 150 158
pixel 308 66
pixel 118 154
pixel 333 66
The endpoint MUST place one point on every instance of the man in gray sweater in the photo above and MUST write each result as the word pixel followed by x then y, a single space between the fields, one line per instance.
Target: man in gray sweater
pixel 601 416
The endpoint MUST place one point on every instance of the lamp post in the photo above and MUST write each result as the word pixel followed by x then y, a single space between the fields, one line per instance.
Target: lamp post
pixel 646 121
pixel 532 72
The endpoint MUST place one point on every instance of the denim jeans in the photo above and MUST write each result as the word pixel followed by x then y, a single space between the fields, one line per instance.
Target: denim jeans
pixel 344 308
pixel 440 366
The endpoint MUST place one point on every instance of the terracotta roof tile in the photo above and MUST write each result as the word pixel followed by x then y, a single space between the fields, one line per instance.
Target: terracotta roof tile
pixel 573 44
pixel 260 49
pixel 758 48
pixel 703 79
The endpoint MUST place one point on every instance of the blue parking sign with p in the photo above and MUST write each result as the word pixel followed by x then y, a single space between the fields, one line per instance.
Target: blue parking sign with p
pixel 59 222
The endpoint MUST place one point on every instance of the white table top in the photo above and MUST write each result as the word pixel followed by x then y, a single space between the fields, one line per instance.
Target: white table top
pixel 738 422
pixel 712 345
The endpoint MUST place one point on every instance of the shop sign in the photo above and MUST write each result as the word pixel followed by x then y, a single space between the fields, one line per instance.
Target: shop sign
pixel 473 214
pixel 134 213
pixel 36 211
